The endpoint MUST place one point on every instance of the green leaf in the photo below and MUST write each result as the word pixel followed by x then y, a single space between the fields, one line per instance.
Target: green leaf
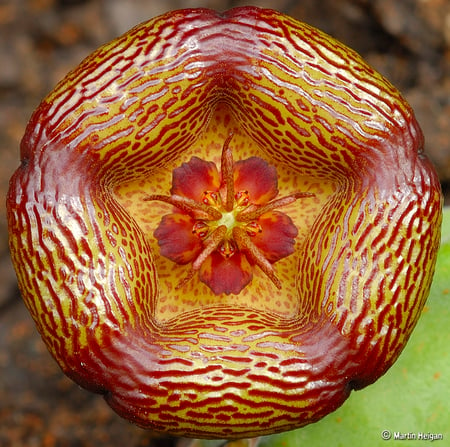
pixel 411 401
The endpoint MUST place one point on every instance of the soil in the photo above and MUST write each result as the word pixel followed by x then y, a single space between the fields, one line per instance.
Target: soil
pixel 41 40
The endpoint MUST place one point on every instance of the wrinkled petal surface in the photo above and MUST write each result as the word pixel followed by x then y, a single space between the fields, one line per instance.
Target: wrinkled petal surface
pixel 277 238
pixel 226 275
pixel 176 240
pixel 258 178
pixel 195 177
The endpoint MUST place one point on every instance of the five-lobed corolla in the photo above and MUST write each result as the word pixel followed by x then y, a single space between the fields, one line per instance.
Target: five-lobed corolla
pixel 177 357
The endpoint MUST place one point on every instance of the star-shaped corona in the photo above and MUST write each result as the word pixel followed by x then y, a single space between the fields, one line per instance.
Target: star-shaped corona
pixel 226 222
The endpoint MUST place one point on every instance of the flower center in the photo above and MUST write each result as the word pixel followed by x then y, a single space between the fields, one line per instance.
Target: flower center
pixel 203 228
pixel 231 225
pixel 228 219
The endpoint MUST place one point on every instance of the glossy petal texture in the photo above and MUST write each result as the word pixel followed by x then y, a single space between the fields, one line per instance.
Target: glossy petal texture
pixel 421 376
pixel 140 106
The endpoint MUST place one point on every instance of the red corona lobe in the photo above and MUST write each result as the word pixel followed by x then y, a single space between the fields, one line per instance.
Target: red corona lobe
pixel 289 302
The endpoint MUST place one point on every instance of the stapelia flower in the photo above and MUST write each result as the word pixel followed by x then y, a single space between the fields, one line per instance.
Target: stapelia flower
pixel 226 222
pixel 94 182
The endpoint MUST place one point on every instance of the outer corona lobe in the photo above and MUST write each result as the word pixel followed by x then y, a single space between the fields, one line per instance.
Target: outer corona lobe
pixel 300 100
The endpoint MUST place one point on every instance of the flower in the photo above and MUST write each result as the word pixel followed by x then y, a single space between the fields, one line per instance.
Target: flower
pixel 188 362
pixel 226 222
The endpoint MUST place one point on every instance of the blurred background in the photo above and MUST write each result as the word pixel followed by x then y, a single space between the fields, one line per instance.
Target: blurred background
pixel 408 41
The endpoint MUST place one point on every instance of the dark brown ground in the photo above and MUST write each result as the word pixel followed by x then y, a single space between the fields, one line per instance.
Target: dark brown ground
pixel 40 40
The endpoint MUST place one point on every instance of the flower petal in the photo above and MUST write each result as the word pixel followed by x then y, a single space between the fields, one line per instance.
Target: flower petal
pixel 195 177
pixel 176 240
pixel 226 275
pixel 277 238
pixel 257 177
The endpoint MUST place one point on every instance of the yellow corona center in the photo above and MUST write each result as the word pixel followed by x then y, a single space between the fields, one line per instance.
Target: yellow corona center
pixel 203 228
